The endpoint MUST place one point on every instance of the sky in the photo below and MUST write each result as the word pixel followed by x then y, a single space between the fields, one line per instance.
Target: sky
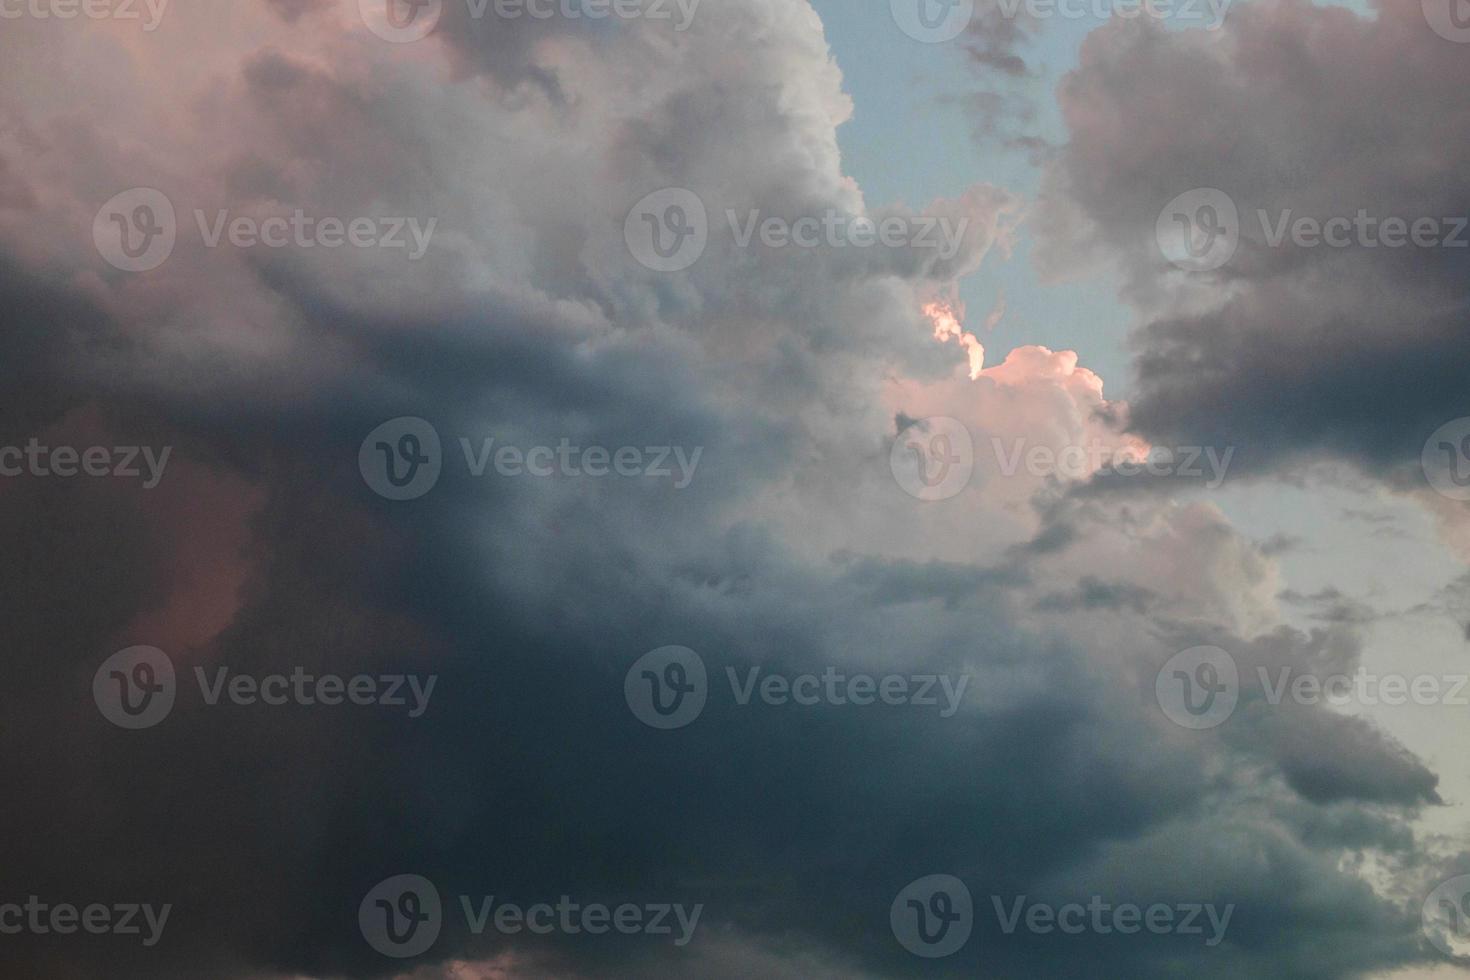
pixel 555 489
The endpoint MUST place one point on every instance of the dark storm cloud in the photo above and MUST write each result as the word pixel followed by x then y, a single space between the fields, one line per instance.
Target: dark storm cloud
pixel 1303 351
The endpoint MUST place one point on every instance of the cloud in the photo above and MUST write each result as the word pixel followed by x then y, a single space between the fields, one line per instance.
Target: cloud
pixel 794 550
